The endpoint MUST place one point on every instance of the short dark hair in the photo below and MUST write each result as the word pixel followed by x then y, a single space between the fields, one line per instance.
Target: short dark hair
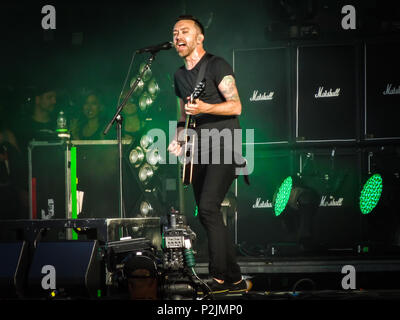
pixel 193 18
pixel 41 89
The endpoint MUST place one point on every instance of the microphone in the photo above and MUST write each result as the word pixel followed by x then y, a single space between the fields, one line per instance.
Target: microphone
pixel 163 46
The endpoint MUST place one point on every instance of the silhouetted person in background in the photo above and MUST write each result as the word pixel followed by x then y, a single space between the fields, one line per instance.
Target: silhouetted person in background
pixel 91 122
pixel 132 124
pixel 11 187
pixel 38 123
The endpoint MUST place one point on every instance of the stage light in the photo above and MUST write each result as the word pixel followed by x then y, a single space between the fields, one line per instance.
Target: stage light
pixel 145 101
pixel 139 87
pixel 153 88
pixel 282 196
pixel 136 156
pixel 153 157
pixel 146 209
pixel 147 75
pixel 379 207
pixel 371 193
pixel 146 141
pixel 296 203
pixel 146 172
pixel 379 198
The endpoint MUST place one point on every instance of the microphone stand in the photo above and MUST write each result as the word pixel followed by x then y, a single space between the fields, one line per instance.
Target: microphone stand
pixel 119 120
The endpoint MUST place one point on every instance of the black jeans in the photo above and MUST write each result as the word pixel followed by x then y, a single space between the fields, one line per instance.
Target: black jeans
pixel 211 182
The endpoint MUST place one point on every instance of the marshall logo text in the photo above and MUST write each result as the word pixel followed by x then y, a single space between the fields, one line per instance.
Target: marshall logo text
pixel 261 97
pixel 262 204
pixel 327 94
pixel 331 202
pixel 326 201
pixel 389 90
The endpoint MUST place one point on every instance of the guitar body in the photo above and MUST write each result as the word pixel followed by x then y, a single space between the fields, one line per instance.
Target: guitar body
pixel 190 140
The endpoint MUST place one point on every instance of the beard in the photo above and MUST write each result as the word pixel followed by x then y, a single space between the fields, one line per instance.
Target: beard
pixel 185 51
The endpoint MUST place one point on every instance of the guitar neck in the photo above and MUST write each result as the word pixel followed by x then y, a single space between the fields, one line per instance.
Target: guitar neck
pixel 189 117
pixel 188 120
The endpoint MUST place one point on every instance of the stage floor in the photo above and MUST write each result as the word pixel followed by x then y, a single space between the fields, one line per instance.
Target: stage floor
pixel 316 264
pixel 318 277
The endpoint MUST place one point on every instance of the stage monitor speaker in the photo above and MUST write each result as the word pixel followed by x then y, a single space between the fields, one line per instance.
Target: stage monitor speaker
pixel 13 268
pixel 257 226
pixel 327 97
pixel 382 91
pixel 72 269
pixel 335 175
pixel 262 78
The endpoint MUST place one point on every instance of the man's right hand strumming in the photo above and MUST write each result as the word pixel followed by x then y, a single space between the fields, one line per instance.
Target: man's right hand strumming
pixel 175 147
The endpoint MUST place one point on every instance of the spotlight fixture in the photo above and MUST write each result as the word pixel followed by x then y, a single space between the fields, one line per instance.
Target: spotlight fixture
pixel 379 208
pixel 146 141
pixel 282 196
pixel 147 75
pixel 146 209
pixel 145 101
pixel 153 88
pixel 136 156
pixel 139 87
pixel 371 193
pixel 146 172
pixel 294 194
pixel 153 157
pixel 296 203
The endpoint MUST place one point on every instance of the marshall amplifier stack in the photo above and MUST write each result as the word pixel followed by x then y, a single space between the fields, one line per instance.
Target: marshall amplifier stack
pixel 326 93
pixel 256 223
pixel 263 84
pixel 334 174
pixel 323 105
pixel 382 91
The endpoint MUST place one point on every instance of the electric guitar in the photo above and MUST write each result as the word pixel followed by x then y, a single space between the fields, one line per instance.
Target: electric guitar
pixel 190 140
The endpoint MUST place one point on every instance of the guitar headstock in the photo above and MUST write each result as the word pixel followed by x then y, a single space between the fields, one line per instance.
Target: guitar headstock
pixel 198 90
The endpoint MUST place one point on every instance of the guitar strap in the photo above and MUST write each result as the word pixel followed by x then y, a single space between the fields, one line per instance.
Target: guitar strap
pixel 202 70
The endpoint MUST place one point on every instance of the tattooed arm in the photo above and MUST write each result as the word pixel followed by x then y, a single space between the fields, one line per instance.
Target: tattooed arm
pixel 232 105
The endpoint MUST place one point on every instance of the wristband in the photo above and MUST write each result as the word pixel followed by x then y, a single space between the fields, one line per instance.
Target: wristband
pixel 181 124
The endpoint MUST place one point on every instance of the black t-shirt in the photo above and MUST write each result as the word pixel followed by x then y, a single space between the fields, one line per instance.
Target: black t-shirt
pixel 216 70
pixel 185 82
pixel 27 129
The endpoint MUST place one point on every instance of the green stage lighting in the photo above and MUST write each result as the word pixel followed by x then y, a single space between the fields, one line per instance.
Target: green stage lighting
pixel 371 193
pixel 283 195
pixel 295 204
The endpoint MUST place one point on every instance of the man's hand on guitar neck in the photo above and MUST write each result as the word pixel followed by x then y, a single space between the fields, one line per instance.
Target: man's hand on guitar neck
pixel 196 107
pixel 231 105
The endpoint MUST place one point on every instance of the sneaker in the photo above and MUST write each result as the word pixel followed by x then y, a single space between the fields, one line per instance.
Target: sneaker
pixel 215 287
pixel 242 286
